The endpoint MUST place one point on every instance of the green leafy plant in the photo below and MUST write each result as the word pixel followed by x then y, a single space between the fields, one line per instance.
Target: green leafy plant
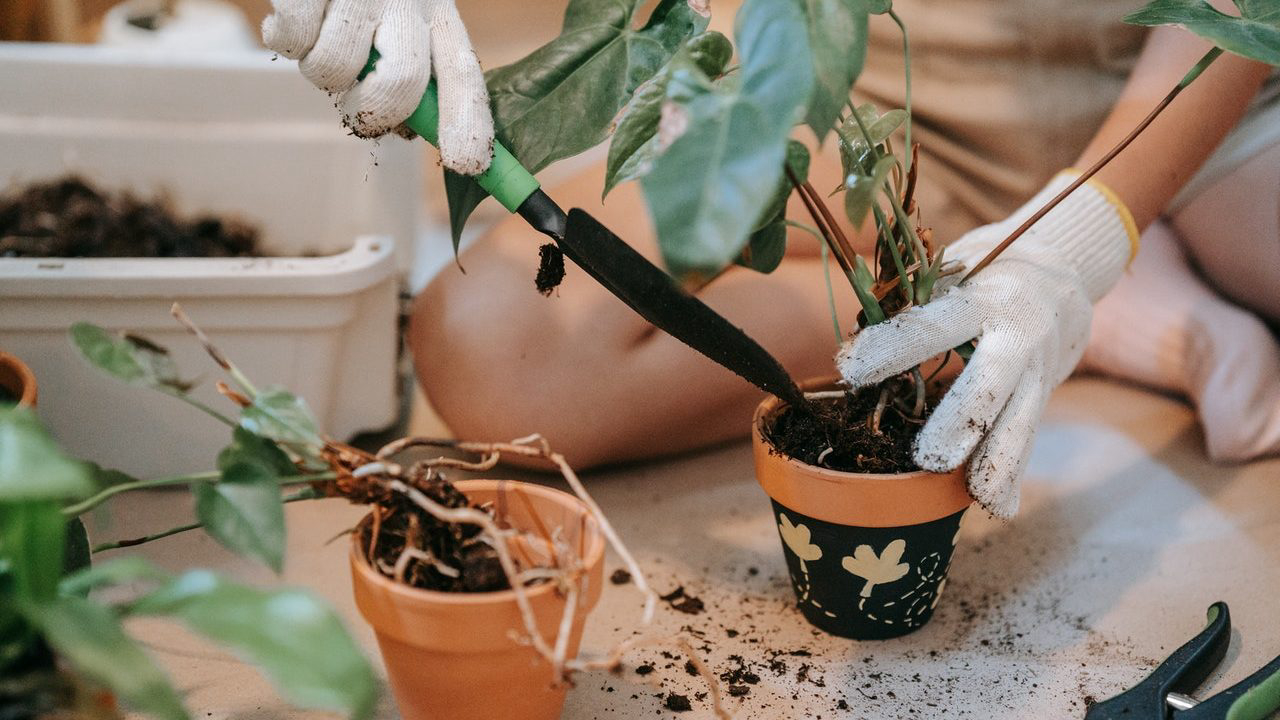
pixel 61 647
pixel 711 142
pixel 59 639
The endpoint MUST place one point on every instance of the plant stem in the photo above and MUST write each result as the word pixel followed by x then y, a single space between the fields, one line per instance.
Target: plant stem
pixel 201 406
pixel 305 494
pixel 831 296
pixel 904 282
pixel 1191 75
pixel 94 501
pixel 906 58
pixel 826 274
pixel 845 264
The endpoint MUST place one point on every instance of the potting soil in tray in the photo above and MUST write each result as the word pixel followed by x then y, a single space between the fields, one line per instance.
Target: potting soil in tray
pixel 70 217
pixel 839 433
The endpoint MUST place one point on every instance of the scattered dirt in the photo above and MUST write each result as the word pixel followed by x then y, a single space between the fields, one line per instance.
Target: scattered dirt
pixel 550 268
pixel 620 577
pixel 70 217
pixel 682 602
pixel 678 703
pixel 835 432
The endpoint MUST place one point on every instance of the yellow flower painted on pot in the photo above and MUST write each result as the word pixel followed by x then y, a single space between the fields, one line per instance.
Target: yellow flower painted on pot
pixel 877 569
pixel 796 537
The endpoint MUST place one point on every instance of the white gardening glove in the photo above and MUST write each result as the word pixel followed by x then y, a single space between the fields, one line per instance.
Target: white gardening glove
pixel 416 38
pixel 1030 312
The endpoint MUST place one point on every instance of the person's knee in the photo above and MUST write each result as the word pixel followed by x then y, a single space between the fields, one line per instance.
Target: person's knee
pixel 493 359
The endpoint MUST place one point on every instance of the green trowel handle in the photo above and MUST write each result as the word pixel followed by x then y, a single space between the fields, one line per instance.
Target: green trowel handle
pixel 506 179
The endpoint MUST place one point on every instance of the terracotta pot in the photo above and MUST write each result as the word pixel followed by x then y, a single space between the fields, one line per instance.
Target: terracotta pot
pixel 17 380
pixel 868 554
pixel 452 656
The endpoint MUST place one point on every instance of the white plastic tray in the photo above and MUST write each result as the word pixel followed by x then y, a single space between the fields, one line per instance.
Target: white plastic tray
pixel 234 134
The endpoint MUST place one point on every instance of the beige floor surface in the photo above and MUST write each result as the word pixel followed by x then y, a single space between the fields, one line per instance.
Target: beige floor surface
pixel 1126 535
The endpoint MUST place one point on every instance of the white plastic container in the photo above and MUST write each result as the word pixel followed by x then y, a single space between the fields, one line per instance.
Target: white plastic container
pixel 233 134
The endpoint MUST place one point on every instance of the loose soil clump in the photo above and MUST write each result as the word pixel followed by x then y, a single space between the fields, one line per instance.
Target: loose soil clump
pixel 837 433
pixel 70 217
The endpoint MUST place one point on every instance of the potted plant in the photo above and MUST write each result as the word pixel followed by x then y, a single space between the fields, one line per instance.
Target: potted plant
pixel 17 382
pixel 64 651
pixel 868 538
pixel 477 590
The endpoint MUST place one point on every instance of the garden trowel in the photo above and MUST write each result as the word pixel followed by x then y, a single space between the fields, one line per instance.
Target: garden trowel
pixel 644 287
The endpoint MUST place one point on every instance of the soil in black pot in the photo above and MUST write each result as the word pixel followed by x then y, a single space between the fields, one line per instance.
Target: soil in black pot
pixel 836 432
pixel 70 217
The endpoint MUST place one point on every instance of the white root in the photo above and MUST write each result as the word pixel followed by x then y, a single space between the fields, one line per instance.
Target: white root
pixel 569 573
pixel 471 516
pixel 412 553
pixel 824 394
pixel 713 683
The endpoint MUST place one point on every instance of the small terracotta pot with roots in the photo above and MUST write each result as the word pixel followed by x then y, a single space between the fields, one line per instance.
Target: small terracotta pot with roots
pixel 17 382
pixel 868 553
pixel 464 656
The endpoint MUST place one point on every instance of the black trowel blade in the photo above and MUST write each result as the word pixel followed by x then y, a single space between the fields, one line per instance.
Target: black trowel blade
pixel 658 298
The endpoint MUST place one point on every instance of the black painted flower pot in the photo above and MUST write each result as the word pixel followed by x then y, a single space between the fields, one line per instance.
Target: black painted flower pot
pixel 868 554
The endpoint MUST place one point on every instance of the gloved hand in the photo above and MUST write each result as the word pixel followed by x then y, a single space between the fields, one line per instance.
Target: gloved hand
pixel 1030 312
pixel 332 38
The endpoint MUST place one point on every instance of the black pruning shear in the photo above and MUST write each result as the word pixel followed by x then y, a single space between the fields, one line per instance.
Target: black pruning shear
pixel 1166 693
pixel 643 286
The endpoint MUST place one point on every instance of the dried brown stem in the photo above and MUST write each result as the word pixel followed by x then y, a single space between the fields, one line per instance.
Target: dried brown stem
pixel 908 196
pixel 846 264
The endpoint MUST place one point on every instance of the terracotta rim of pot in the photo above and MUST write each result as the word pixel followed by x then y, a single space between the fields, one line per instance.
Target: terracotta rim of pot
pixel 848 498
pixel 18 379
pixel 377 594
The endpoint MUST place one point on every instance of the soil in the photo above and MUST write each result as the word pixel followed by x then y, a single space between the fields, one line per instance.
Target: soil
pixel 71 217
pixel 7 398
pixel 835 432
pixel 550 269
pixel 454 545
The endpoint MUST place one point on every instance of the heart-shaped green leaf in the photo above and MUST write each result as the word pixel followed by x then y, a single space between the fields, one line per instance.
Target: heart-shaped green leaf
pixel 712 185
pixel 90 638
pixel 838 45
pixel 562 98
pixel 32 466
pixel 130 358
pixel 632 149
pixel 243 510
pixel 861 190
pixel 767 244
pixel 855 154
pixel 279 415
pixel 297 641
pixel 1255 35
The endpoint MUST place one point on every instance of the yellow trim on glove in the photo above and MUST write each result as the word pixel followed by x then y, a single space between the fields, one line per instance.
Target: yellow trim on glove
pixel 1126 217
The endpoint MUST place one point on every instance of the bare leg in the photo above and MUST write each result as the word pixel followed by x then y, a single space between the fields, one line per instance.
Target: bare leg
pixel 497 360
pixel 1164 326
